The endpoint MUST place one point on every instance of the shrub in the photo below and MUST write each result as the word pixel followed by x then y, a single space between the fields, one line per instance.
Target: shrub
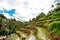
pixel 3 32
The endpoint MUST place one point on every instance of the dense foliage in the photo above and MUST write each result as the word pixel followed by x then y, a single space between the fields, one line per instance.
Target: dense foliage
pixel 9 26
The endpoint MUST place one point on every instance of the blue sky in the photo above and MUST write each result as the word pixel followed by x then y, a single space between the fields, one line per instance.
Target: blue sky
pixel 24 9
pixel 10 12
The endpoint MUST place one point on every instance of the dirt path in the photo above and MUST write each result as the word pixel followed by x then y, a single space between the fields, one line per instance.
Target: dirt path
pixel 43 34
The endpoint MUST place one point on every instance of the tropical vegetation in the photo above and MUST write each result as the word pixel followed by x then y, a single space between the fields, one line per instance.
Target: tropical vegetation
pixel 43 27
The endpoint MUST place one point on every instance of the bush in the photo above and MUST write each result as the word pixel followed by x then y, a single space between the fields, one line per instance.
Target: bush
pixel 3 32
pixel 55 27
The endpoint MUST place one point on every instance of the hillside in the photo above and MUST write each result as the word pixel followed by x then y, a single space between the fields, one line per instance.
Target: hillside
pixel 43 27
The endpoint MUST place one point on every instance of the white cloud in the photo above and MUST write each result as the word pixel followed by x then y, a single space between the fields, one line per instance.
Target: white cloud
pixel 26 8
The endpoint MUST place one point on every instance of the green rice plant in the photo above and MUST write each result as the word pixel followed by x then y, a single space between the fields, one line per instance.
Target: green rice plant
pixel 39 24
pixel 54 27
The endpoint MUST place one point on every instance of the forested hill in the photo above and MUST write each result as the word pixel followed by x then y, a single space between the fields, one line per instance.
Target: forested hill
pixel 49 24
